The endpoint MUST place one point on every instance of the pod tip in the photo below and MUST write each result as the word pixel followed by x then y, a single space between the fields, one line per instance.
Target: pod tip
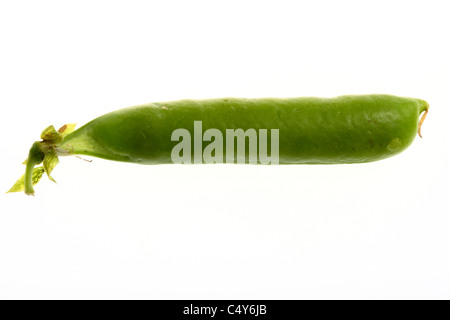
pixel 422 119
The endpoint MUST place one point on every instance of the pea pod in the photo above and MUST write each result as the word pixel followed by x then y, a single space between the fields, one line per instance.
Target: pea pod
pixel 308 130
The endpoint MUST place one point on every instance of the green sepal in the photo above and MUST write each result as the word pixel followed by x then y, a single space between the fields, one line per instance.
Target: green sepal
pixel 50 162
pixel 19 186
pixel 52 136
pixel 67 128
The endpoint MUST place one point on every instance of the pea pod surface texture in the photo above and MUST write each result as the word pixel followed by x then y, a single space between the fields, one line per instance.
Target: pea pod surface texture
pixel 308 130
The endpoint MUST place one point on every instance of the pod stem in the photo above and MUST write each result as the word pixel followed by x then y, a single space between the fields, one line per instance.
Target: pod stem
pixel 35 156
pixel 422 119
pixel 44 152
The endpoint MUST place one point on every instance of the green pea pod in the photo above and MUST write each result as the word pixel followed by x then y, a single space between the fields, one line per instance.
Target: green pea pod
pixel 345 129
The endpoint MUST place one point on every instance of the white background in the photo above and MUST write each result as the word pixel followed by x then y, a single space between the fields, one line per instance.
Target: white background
pixel 114 230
